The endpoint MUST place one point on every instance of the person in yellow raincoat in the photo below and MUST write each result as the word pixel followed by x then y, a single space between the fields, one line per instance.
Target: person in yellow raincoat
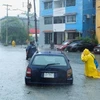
pixel 13 43
pixel 90 68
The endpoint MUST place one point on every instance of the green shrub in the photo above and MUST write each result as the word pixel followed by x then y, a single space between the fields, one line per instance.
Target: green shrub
pixel 91 40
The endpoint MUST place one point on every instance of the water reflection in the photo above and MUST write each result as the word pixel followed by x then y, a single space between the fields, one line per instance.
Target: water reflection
pixel 98 57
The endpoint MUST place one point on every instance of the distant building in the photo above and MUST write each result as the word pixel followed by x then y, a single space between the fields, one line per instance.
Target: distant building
pixel 61 20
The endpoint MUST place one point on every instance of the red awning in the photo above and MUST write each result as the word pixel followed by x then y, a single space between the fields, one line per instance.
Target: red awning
pixel 32 31
pixel 48 31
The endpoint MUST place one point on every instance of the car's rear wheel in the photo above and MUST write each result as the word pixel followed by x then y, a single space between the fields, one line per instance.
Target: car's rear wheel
pixel 26 58
pixel 81 50
pixel 64 49
pixel 26 82
pixel 71 82
pixel 74 50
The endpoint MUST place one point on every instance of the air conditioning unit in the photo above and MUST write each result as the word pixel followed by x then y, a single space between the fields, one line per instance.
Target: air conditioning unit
pixel 87 16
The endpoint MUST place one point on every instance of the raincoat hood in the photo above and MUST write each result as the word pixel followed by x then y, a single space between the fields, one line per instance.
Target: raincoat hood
pixel 86 52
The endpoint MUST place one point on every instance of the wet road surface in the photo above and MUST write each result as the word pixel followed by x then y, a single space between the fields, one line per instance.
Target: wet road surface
pixel 12 86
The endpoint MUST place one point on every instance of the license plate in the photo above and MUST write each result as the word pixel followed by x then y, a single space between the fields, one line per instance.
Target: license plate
pixel 48 75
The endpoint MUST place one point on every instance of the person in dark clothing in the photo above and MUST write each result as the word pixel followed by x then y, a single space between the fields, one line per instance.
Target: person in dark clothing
pixel 30 50
pixel 52 45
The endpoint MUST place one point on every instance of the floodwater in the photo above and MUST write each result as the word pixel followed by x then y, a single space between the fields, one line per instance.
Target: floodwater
pixel 98 57
pixel 12 73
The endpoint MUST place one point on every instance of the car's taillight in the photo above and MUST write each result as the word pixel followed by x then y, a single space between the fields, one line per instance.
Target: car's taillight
pixel 69 73
pixel 28 72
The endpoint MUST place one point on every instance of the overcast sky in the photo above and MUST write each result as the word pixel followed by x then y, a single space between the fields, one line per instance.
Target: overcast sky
pixel 16 4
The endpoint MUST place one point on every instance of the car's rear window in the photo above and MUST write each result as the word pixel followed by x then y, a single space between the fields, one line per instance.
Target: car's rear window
pixel 73 44
pixel 64 43
pixel 47 59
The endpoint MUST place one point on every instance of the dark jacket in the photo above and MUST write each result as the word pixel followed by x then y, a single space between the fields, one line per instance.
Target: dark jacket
pixel 30 50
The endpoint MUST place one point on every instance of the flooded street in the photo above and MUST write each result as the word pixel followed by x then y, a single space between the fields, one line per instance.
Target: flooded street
pixel 12 72
pixel 98 57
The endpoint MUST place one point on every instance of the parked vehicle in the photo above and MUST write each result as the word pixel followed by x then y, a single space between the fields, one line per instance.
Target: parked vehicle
pixel 79 46
pixel 97 49
pixel 63 45
pixel 49 67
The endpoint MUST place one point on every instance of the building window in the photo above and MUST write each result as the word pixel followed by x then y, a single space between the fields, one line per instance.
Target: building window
pixel 73 35
pixel 71 18
pixel 59 4
pixel 48 38
pixel 48 5
pixel 70 3
pixel 94 3
pixel 47 20
pixel 93 19
pixel 60 19
pixel 70 36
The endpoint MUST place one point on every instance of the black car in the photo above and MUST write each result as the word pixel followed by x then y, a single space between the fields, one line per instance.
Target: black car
pixel 80 46
pixel 49 67
pixel 97 49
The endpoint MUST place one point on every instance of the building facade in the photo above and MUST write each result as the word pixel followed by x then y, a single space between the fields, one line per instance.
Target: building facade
pixel 98 20
pixel 61 20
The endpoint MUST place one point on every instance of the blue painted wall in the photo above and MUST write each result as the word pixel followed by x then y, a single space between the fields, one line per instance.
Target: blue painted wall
pixel 45 12
pixel 82 24
pixel 88 22
pixel 79 16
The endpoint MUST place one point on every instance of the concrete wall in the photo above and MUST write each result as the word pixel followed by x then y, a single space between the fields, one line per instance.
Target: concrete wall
pixel 42 29
pixel 44 13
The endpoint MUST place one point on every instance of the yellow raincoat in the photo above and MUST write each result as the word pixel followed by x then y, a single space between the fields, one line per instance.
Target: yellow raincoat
pixel 90 68
pixel 13 43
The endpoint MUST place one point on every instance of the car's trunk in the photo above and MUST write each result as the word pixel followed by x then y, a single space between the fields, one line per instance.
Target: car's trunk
pixel 50 74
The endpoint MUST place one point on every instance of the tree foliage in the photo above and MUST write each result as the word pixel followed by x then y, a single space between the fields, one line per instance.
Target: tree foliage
pixel 16 30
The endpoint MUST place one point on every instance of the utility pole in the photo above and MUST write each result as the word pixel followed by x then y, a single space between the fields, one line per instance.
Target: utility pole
pixel 7 23
pixel 35 19
pixel 28 17
pixel 29 6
